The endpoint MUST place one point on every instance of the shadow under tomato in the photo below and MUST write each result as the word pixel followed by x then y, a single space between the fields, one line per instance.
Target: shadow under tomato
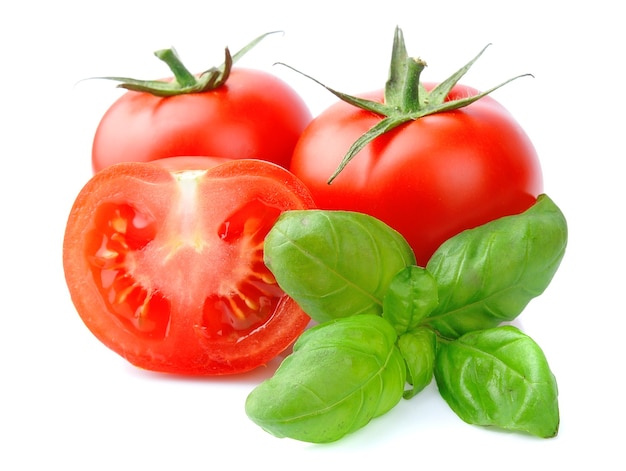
pixel 252 377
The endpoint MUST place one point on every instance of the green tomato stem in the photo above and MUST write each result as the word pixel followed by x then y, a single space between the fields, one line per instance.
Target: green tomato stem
pixel 402 90
pixel 411 96
pixel 182 76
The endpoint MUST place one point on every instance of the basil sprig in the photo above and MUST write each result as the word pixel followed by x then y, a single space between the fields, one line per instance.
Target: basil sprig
pixel 387 327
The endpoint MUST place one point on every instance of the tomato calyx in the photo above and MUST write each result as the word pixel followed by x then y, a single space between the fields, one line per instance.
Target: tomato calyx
pixel 184 81
pixel 405 98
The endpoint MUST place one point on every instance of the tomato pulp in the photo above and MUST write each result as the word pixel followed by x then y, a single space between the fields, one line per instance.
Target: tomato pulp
pixel 430 178
pixel 165 264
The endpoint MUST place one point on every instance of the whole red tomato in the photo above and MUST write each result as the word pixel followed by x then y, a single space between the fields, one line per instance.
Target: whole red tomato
pixel 429 178
pixel 234 113
pixel 164 263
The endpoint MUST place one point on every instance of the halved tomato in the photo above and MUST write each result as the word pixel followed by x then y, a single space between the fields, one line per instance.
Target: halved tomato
pixel 164 263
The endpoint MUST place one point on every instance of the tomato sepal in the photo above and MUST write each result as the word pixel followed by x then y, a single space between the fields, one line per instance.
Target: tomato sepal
pixel 405 98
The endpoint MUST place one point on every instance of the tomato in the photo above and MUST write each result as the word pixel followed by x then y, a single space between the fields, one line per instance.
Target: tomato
pixel 429 178
pixel 253 115
pixel 164 263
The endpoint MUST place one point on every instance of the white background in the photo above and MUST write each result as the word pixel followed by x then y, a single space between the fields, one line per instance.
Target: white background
pixel 66 402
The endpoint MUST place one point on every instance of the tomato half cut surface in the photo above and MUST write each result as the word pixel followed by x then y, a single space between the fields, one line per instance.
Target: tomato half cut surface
pixel 165 265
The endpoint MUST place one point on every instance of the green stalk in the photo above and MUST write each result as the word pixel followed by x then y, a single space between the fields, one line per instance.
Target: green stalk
pixel 411 96
pixel 182 76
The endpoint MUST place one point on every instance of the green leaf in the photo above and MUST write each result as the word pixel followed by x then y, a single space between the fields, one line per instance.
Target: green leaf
pixel 340 375
pixel 499 377
pixel 418 350
pixel 335 263
pixel 489 274
pixel 411 296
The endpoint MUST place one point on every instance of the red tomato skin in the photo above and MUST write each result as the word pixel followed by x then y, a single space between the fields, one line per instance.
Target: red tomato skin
pixel 430 178
pixel 183 343
pixel 254 115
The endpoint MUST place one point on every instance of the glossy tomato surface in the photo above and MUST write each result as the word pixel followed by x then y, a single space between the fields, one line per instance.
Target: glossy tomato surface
pixel 254 115
pixel 165 264
pixel 429 179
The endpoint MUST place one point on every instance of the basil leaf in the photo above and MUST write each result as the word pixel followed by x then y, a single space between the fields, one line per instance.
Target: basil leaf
pixel 487 275
pixel 335 263
pixel 411 296
pixel 499 377
pixel 340 375
pixel 418 350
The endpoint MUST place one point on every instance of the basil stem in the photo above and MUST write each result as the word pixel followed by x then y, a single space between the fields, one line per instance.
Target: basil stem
pixel 418 350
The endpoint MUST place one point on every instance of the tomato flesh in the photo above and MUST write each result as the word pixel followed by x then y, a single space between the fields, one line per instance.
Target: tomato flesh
pixel 166 266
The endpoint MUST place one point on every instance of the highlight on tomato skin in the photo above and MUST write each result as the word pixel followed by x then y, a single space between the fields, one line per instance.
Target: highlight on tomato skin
pixel 164 263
